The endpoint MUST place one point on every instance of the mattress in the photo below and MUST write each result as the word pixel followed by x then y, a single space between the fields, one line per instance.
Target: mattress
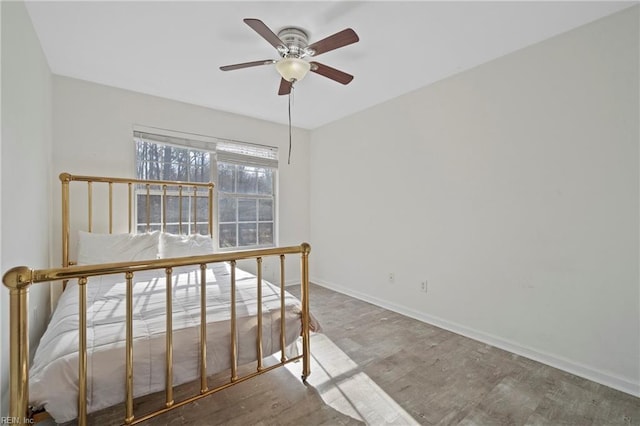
pixel 53 377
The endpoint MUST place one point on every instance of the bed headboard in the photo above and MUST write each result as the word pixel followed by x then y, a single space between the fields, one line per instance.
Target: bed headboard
pixel 184 195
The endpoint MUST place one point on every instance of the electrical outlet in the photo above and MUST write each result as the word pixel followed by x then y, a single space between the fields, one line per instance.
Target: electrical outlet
pixel 424 286
pixel 392 277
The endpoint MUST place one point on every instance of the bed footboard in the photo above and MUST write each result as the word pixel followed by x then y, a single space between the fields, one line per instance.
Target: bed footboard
pixel 19 279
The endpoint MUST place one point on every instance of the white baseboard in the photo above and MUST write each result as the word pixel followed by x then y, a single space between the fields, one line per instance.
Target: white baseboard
pixel 561 363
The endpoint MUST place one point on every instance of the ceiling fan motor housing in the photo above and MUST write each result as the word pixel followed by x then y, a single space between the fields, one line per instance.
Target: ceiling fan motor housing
pixel 296 41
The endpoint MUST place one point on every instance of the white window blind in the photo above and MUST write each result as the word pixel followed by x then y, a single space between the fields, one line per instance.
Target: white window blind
pixel 242 153
pixel 224 150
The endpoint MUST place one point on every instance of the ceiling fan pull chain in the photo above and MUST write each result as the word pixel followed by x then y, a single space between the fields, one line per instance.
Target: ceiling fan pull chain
pixel 290 95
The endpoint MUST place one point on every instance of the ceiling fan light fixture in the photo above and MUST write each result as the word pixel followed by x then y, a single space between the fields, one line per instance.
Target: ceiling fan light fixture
pixel 292 69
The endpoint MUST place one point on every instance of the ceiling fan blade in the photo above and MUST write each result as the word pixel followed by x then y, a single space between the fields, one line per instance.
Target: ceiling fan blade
pixel 247 65
pixel 285 87
pixel 340 39
pixel 266 33
pixel 332 73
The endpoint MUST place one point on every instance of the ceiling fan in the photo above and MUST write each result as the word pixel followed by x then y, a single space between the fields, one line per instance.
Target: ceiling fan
pixel 293 46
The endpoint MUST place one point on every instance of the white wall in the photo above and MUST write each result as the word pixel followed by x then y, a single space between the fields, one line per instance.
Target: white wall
pixel 513 189
pixel 25 169
pixel 92 134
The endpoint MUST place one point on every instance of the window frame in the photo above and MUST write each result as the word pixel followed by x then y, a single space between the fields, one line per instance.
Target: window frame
pixel 210 144
pixel 257 197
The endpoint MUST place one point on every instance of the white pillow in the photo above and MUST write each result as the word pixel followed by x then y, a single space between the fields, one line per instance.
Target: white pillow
pixel 172 245
pixel 110 248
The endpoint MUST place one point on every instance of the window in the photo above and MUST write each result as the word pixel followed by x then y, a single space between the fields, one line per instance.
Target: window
pixel 245 197
pixel 245 205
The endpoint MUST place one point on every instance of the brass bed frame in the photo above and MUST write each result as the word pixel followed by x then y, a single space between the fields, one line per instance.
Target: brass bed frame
pixel 20 278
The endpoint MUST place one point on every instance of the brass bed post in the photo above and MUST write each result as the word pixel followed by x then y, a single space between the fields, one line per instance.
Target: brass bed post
pixel 18 280
pixel 203 328
pixel 148 209
pixel 65 178
pixel 130 204
pixel 110 207
pixel 283 343
pixel 234 344
pixel 90 206
pixel 169 351
pixel 82 352
pixel 195 211
pixel 129 351
pixel 211 209
pixel 164 208
pixel 179 209
pixel 304 269
pixel 259 334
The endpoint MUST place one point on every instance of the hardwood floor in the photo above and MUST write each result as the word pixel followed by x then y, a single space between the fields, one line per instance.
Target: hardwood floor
pixel 373 366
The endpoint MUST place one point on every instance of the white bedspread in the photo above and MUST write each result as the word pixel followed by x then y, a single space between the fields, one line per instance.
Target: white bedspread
pixel 54 372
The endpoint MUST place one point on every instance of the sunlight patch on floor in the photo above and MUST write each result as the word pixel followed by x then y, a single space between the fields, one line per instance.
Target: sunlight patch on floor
pixel 336 378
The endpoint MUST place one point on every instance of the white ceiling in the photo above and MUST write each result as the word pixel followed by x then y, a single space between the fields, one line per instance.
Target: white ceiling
pixel 174 49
